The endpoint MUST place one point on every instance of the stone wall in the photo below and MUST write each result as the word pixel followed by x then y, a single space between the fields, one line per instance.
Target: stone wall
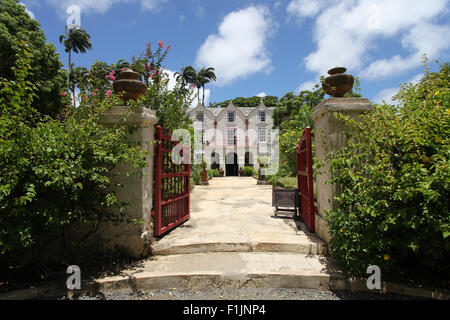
pixel 330 135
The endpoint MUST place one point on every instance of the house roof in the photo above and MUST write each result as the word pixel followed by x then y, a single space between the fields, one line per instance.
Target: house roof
pixel 245 110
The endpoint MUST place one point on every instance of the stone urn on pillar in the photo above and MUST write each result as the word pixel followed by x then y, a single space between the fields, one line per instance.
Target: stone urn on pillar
pixel 338 83
pixel 129 85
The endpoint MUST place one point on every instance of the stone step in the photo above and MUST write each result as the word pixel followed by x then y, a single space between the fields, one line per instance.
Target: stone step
pixel 245 242
pixel 229 270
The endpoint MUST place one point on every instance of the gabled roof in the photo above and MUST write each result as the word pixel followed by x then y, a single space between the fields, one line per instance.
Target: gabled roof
pixel 200 107
pixel 259 107
pixel 246 111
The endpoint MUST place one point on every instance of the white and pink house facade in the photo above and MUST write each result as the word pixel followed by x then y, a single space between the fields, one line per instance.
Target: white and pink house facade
pixel 233 137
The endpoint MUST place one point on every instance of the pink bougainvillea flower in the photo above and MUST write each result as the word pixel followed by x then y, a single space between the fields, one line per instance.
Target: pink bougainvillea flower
pixel 161 44
pixel 168 47
pixel 64 93
pixel 108 93
pixel 192 85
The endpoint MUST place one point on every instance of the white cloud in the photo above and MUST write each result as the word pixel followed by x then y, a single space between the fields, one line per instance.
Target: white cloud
pixel 309 85
pixel 261 94
pixel 305 8
pixel 151 4
pixel 181 19
pixel 200 11
pixel 416 78
pixel 30 13
pixel 101 6
pixel 277 4
pixel 240 47
pixel 346 32
pixel 386 95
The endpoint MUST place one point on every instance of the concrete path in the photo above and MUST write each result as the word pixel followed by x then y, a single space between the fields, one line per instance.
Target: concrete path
pixel 233 240
pixel 234 214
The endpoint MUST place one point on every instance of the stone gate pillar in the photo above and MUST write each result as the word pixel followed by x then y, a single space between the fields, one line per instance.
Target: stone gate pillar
pixel 329 135
pixel 137 189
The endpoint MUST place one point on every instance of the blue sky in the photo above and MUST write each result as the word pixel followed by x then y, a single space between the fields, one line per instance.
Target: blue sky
pixel 264 47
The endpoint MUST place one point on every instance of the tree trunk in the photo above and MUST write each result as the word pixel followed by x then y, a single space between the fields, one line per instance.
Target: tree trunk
pixel 203 99
pixel 68 69
pixel 74 106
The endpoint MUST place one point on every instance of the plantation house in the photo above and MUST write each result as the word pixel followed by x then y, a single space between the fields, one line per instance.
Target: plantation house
pixel 232 137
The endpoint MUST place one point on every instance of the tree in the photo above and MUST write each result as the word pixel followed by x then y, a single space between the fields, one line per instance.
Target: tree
pixel 185 77
pixel 76 40
pixel 78 76
pixel 47 75
pixel 394 180
pixel 204 76
pixel 293 115
pixel 120 64
pixel 55 174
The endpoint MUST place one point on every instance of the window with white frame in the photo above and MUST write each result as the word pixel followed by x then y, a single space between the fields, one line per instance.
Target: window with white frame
pixel 262 116
pixel 231 116
pixel 232 137
pixel 262 135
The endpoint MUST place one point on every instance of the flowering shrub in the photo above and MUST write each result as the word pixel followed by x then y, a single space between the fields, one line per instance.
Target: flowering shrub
pixel 170 105
pixel 53 173
pixel 394 177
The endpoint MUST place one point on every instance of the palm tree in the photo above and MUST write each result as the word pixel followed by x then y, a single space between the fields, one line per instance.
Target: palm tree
pixel 186 76
pixel 120 64
pixel 76 40
pixel 77 76
pixel 204 76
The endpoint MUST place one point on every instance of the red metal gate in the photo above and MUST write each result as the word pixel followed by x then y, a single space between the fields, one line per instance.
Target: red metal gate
pixel 172 186
pixel 305 178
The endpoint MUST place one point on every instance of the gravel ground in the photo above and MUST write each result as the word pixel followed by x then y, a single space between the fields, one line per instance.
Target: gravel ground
pixel 238 294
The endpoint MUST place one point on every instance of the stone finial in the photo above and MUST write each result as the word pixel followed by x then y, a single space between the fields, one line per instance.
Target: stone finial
pixel 130 85
pixel 338 83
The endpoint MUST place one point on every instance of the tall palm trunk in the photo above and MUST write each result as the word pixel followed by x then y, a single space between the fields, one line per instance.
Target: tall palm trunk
pixel 203 98
pixel 74 105
pixel 68 69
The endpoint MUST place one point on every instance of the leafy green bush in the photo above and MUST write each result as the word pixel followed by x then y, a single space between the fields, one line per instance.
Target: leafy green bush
pixel 249 171
pixel 49 80
pixel 54 174
pixel 213 173
pixel 394 176
pixel 196 171
pixel 284 182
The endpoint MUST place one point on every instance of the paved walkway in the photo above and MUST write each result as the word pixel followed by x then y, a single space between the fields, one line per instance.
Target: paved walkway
pixel 233 240
pixel 235 214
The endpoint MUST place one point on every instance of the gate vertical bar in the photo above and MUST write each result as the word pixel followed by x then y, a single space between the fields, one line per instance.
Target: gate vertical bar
pixel 158 172
pixel 311 206
pixel 305 179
